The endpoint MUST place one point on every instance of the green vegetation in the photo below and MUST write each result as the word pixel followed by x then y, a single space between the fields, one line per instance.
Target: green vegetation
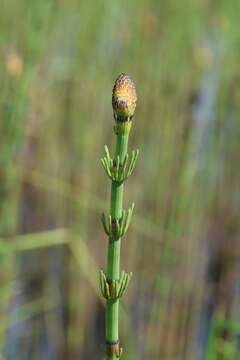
pixel 58 62
pixel 223 339
pixel 113 285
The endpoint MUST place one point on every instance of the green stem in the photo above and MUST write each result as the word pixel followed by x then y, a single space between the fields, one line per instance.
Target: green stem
pixel 114 246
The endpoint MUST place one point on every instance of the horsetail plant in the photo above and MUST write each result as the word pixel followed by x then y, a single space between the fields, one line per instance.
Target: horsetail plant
pixel 118 169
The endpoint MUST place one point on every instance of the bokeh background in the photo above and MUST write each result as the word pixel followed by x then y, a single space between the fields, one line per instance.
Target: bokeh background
pixel 58 63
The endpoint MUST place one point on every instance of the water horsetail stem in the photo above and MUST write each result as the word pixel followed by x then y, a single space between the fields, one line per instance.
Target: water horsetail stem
pixel 113 284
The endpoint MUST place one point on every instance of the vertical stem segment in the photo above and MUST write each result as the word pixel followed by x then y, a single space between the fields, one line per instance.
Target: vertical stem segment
pixel 114 245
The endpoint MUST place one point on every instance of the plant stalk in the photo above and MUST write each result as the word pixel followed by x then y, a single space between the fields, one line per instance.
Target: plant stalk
pixel 114 245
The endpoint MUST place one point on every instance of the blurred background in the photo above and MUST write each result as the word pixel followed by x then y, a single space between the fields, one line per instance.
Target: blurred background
pixel 59 60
